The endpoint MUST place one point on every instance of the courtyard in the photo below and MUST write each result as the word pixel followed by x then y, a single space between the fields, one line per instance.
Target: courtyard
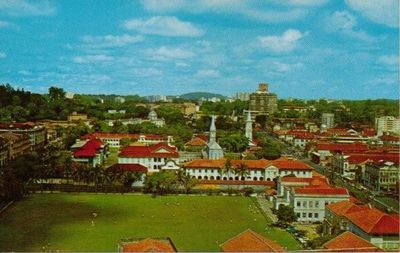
pixel 97 222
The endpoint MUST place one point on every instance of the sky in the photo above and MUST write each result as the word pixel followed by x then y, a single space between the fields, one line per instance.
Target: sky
pixel 303 48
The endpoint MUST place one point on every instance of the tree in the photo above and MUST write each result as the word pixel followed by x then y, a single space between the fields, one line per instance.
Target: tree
pixel 242 171
pixel 187 181
pixel 227 169
pixel 286 214
pixel 160 182
pixel 56 93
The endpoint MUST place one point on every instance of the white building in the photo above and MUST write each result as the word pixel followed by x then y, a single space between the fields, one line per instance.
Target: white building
pixel 258 170
pixel 327 119
pixel 114 139
pixel 387 124
pixel 154 157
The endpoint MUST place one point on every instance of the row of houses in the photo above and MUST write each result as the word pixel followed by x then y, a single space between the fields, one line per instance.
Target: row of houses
pixel 301 137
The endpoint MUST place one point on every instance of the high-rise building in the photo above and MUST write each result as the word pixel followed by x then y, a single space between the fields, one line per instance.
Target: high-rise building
pixel 262 101
pixel 387 124
pixel 242 96
pixel 327 120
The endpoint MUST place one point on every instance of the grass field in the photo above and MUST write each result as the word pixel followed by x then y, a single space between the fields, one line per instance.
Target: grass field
pixel 194 223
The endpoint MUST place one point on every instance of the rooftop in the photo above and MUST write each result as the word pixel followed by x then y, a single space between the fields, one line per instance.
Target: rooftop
pixel 161 150
pixel 348 241
pixel 250 241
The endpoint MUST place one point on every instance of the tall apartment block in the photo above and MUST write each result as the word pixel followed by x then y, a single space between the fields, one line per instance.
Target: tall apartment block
pixel 262 101
pixel 327 119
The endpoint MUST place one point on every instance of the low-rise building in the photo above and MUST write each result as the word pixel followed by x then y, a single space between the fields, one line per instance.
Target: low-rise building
pixel 36 133
pixel 92 152
pixel 154 157
pixel 382 176
pixel 375 226
pixel 258 170
pixel 349 242
pixel 114 139
pixel 19 144
pixel 250 241
pixel 387 124
pixel 77 117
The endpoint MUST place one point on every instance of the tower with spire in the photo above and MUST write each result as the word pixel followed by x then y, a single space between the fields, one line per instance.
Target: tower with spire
pixel 214 150
pixel 249 129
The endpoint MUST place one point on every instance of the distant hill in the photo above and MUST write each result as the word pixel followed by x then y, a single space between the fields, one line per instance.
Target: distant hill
pixel 198 95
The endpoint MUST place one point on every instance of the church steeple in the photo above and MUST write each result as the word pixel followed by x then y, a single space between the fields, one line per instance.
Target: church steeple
pixel 213 130
pixel 249 128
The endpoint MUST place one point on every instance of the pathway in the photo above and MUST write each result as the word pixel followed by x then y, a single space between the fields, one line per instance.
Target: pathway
pixel 266 207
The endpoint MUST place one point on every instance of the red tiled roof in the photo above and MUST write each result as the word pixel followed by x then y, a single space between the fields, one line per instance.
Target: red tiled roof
pixel 377 222
pixel 344 207
pixel 149 245
pixel 304 136
pixel 89 149
pixel 150 151
pixel 197 141
pixel 390 138
pixel 369 132
pixel 250 241
pixel 237 182
pixel 99 135
pixel 348 241
pixel 321 191
pixel 282 164
pixel 129 167
pixel 340 147
pixel 375 157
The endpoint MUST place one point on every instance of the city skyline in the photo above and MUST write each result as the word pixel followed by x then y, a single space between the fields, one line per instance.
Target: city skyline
pixel 302 48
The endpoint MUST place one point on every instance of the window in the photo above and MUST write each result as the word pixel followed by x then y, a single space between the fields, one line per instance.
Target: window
pixel 298 215
pixel 316 215
pixel 304 215
pixel 309 215
pixel 304 203
pixel 311 204
pixel 298 204
pixel 317 204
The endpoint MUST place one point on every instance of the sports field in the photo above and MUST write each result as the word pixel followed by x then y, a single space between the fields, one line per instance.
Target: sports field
pixel 65 222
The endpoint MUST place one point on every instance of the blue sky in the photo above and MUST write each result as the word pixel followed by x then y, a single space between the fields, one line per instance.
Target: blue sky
pixel 302 48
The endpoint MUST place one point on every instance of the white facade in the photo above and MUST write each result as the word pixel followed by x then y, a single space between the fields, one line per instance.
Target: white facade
pixel 384 242
pixel 327 119
pixel 153 164
pixel 387 124
pixel 267 174
pixel 311 208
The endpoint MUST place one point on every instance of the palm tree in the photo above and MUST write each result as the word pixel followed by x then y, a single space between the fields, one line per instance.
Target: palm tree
pixel 227 169
pixel 184 179
pixel 242 172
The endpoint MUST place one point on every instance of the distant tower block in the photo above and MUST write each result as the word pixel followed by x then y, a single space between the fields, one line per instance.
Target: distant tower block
pixel 327 119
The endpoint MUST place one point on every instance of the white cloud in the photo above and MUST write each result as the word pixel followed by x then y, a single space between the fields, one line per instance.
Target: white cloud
pixel 251 9
pixel 384 12
pixel 25 72
pixel 210 73
pixel 6 24
pixel 164 53
pixel 344 22
pixel 282 43
pixel 92 58
pixel 308 2
pixel 112 40
pixel 27 7
pixel 285 67
pixel 147 72
pixel 2 55
pixel 389 59
pixel 164 26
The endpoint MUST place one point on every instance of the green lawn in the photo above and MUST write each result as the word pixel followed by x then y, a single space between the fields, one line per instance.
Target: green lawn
pixel 194 223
